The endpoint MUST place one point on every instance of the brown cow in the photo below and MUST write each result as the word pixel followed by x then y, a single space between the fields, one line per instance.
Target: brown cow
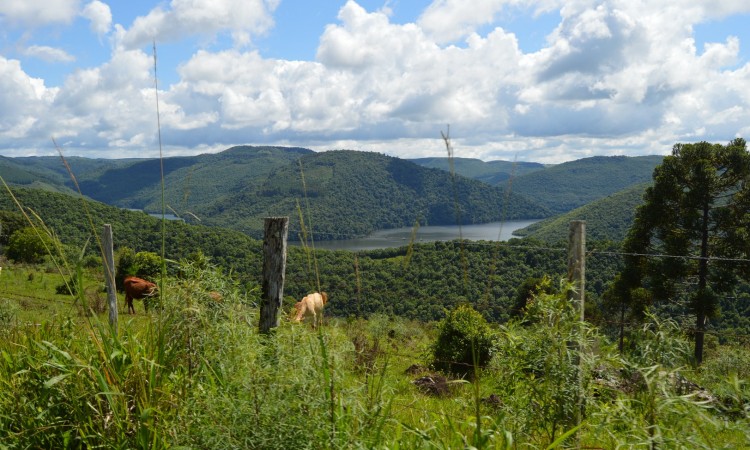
pixel 312 305
pixel 137 288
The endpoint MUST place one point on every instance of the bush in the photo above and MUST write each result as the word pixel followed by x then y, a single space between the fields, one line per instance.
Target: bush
pixel 26 245
pixel 465 342
pixel 146 265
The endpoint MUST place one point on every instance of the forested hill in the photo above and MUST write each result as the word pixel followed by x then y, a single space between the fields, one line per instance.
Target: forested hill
pixel 607 219
pixel 421 285
pixel 351 193
pixel 192 182
pixel 567 186
pixel 492 172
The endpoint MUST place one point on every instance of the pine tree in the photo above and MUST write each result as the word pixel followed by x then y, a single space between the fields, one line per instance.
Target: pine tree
pixel 697 211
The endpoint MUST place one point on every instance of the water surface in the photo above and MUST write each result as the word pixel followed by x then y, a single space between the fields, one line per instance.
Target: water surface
pixel 398 237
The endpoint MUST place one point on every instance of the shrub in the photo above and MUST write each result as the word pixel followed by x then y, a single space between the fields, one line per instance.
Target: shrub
pixel 146 265
pixel 465 342
pixel 26 245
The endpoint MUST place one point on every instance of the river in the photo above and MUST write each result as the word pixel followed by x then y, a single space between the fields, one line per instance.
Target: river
pixel 398 237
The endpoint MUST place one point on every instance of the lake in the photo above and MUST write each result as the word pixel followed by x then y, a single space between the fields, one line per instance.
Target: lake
pixel 398 237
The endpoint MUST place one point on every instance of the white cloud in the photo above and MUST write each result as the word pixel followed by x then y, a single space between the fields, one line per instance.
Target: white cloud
pixel 38 12
pixel 100 16
pixel 48 54
pixel 23 99
pixel 183 18
pixel 451 20
pixel 617 77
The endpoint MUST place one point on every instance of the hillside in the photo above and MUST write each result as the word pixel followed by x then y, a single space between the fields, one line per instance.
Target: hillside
pixel 15 172
pixel 608 218
pixel 491 172
pixel 418 284
pixel 191 183
pixel 351 193
pixel 567 186
pixel 67 217
pixel 421 289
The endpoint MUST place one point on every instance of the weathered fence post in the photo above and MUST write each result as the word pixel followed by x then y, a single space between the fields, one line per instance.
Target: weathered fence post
pixel 577 276
pixel 274 267
pixel 577 261
pixel 109 274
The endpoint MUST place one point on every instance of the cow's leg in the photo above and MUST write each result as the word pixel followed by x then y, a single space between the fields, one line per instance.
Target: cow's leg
pixel 129 303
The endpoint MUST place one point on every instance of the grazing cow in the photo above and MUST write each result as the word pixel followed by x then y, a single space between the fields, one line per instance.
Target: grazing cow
pixel 137 288
pixel 312 306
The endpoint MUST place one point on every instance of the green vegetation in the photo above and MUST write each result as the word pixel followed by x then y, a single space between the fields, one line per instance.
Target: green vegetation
pixel 698 206
pixel 351 193
pixel 567 186
pixel 464 344
pixel 26 245
pixel 607 219
pixel 348 194
pixel 195 373
pixel 490 172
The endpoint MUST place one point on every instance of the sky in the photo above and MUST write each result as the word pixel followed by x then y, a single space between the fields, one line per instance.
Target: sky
pixel 527 80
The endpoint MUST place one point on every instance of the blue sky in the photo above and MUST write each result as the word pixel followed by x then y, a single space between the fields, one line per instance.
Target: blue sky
pixel 532 80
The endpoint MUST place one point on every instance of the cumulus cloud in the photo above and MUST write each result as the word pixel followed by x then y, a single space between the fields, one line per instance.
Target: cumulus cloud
pixel 100 16
pixel 38 12
pixel 48 54
pixel 23 99
pixel 450 20
pixel 617 77
pixel 241 18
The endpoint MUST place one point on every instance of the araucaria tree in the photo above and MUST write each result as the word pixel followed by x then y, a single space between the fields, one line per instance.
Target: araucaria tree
pixel 697 217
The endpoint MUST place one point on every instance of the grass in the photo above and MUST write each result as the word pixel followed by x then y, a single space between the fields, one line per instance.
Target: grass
pixel 196 374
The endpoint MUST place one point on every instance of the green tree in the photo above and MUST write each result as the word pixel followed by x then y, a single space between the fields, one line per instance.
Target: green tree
pixel 696 210
pixel 465 341
pixel 26 245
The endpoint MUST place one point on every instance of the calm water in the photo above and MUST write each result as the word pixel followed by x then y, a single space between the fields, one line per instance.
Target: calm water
pixel 399 237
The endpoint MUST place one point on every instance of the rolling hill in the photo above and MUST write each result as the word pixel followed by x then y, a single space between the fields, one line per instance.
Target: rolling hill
pixel 564 187
pixel 608 218
pixel 349 193
pixel 491 172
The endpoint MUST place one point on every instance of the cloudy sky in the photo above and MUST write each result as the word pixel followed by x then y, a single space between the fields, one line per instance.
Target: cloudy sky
pixel 528 80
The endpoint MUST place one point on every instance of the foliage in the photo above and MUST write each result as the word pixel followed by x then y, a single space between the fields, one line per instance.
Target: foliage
pixel 465 342
pixel 607 219
pixel 10 222
pixel 696 208
pixel 544 364
pixel 491 172
pixel 197 374
pixel 352 193
pixel 531 288
pixel 564 187
pixel 29 245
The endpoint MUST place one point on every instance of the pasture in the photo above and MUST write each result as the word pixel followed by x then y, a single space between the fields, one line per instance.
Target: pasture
pixel 195 373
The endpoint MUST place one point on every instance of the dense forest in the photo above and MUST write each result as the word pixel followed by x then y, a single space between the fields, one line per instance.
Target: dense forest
pixel 421 282
pixel 607 219
pixel 352 193
pixel 572 184
pixel 491 172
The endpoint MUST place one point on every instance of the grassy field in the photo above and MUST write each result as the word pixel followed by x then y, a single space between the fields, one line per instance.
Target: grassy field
pixel 195 373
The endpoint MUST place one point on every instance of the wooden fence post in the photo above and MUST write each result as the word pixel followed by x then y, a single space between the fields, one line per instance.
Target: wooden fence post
pixel 275 231
pixel 577 261
pixel 109 274
pixel 577 276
